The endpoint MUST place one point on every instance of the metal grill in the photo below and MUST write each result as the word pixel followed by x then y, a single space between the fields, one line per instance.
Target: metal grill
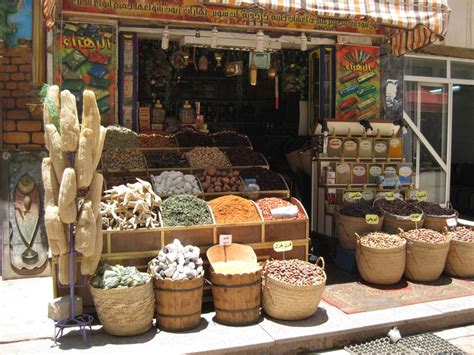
pixel 417 344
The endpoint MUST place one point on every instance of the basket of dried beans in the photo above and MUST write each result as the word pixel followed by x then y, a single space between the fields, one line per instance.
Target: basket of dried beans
pixel 426 254
pixel 397 214
pixel 292 289
pixel 381 258
pixel 460 260
pixel 436 216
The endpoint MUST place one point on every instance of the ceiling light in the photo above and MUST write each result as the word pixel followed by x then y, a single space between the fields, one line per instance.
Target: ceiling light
pixel 260 37
pixel 165 40
pixel 304 42
pixel 214 36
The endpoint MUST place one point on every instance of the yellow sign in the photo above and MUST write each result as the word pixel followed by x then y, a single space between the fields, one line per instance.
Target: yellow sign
pixel 389 196
pixel 415 217
pixel 371 219
pixel 355 195
pixel 421 195
pixel 286 245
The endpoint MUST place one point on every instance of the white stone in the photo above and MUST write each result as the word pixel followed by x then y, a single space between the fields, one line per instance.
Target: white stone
pixel 58 309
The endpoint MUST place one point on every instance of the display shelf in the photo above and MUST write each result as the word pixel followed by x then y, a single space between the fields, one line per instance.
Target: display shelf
pixel 362 160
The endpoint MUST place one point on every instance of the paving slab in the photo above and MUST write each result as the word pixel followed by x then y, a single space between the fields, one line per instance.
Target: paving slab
pixel 452 305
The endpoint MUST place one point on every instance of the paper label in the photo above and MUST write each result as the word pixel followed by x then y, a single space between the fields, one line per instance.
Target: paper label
pixel 350 145
pixel 380 147
pixel 368 195
pixel 375 170
pixel 421 195
pixel 335 143
pixel 358 170
pixel 225 239
pixel 405 171
pixel 452 222
pixel 343 168
pixel 371 219
pixel 286 245
pixel 415 217
pixel 389 196
pixel 365 145
pixel 355 195
pixel 394 143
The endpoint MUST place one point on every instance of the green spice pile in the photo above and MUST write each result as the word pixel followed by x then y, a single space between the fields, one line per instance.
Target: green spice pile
pixel 119 276
pixel 116 159
pixel 119 137
pixel 185 210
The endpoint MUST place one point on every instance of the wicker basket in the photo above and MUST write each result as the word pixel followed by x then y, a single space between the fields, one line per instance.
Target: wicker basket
pixel 288 302
pixel 425 261
pixel 437 223
pixel 392 222
pixel 347 227
pixel 125 311
pixel 460 260
pixel 381 266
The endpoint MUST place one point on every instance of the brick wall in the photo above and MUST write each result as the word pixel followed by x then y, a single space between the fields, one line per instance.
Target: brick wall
pixel 20 129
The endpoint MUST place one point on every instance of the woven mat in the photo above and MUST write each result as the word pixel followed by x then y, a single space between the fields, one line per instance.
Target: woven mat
pixel 352 295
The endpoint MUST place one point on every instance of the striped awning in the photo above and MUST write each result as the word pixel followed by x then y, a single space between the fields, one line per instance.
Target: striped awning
pixel 411 24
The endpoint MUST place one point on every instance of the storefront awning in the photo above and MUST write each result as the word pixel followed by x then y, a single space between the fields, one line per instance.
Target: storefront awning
pixel 411 24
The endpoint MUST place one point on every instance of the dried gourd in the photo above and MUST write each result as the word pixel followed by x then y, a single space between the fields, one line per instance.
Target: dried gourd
pixel 64 270
pixel 56 231
pixel 69 122
pixel 97 153
pixel 83 162
pixel 86 230
pixel 91 115
pixel 67 196
pixel 50 183
pixel 89 263
pixel 58 157
pixel 95 192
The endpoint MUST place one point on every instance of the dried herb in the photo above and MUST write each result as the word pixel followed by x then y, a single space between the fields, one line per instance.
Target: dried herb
pixel 119 137
pixel 360 210
pixel 185 210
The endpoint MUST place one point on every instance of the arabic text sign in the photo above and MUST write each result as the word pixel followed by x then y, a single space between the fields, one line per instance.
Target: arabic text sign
pixel 286 245
pixel 225 239
pixel 371 219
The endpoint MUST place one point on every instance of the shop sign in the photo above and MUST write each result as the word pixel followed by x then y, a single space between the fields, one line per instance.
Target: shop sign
pixel 389 196
pixel 280 247
pixel 415 217
pixel 421 195
pixel 355 195
pixel 371 219
pixel 87 60
pixel 452 222
pixel 225 239
pixel 205 12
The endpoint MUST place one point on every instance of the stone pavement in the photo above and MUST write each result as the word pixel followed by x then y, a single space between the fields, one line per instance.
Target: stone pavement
pixel 25 329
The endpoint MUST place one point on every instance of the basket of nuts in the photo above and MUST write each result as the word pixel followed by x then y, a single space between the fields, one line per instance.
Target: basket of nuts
pixel 460 261
pixel 381 258
pixel 397 214
pixel 426 254
pixel 436 216
pixel 292 289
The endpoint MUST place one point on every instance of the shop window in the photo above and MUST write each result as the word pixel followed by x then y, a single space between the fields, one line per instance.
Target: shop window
pixel 462 70
pixel 425 67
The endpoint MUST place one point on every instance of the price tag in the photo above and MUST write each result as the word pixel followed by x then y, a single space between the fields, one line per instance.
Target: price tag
pixel 389 196
pixel 421 195
pixel 225 239
pixel 286 245
pixel 371 219
pixel 452 222
pixel 355 195
pixel 415 217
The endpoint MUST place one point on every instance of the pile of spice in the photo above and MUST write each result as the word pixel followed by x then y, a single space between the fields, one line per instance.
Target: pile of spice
pixel 397 207
pixel 360 210
pixel 170 183
pixel 230 139
pixel 119 137
pixel 267 180
pixel 202 157
pixel 153 140
pixel 233 209
pixel 213 180
pixel 117 159
pixel 462 234
pixel 295 272
pixel 267 204
pixel 185 210
pixel 433 209
pixel 426 235
pixel 245 156
pixel 382 240
pixel 189 137
pixel 166 160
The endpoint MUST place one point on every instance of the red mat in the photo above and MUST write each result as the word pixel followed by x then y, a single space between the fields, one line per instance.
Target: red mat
pixel 357 296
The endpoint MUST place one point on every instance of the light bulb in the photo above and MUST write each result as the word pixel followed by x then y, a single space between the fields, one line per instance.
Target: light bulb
pixel 304 42
pixel 165 40
pixel 214 36
pixel 260 37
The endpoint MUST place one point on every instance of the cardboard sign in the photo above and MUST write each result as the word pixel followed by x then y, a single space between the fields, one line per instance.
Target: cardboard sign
pixel 421 195
pixel 371 219
pixel 225 239
pixel 389 196
pixel 452 222
pixel 415 217
pixel 286 245
pixel 355 195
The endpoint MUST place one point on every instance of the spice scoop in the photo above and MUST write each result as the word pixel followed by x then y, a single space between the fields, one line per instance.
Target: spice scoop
pixel 233 259
pixel 285 211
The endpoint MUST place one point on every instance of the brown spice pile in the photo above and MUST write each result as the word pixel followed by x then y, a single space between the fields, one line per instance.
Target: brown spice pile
pixel 269 203
pixel 234 209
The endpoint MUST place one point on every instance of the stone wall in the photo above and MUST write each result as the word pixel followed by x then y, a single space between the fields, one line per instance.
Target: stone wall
pixel 20 129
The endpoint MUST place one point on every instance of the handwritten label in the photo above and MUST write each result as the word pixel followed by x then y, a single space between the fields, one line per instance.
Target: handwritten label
pixel 421 195
pixel 415 217
pixel 286 245
pixel 355 195
pixel 371 219
pixel 389 196
pixel 452 222
pixel 225 239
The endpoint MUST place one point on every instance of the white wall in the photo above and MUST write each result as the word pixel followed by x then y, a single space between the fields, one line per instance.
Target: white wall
pixel 461 24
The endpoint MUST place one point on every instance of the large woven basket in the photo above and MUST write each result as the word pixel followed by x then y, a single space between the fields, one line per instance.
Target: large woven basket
pixel 347 227
pixel 438 223
pixel 125 311
pixel 381 266
pixel 460 260
pixel 288 302
pixel 425 261
pixel 392 222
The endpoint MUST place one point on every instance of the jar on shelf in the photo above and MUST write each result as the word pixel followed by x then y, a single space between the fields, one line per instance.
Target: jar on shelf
pixel 186 114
